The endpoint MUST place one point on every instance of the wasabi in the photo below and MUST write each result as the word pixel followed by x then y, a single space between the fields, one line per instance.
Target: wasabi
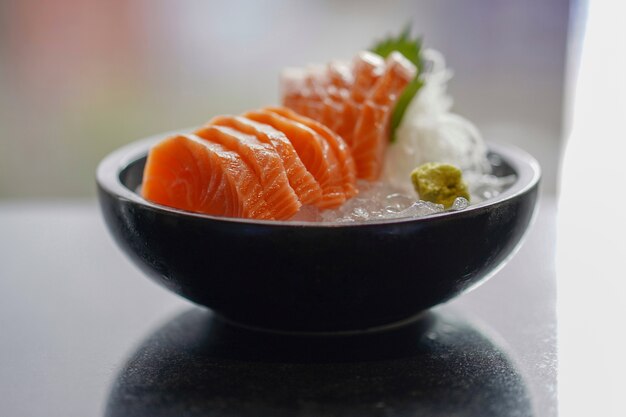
pixel 439 183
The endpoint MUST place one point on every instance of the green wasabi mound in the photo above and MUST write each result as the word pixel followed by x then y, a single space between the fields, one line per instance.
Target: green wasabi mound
pixel 439 183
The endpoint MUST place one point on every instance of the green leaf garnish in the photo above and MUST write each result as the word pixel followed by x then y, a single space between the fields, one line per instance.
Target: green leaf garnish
pixel 403 102
pixel 411 49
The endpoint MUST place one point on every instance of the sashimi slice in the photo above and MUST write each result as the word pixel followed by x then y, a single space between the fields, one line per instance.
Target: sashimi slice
pixel 371 135
pixel 317 98
pixel 330 115
pixel 302 181
pixel 337 144
pixel 293 88
pixel 399 72
pixel 317 91
pixel 367 68
pixel 314 152
pixel 347 120
pixel 264 160
pixel 371 132
pixel 340 78
pixel 339 82
pixel 190 173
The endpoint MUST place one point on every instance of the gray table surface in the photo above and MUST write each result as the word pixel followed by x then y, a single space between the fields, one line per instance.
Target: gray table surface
pixel 74 310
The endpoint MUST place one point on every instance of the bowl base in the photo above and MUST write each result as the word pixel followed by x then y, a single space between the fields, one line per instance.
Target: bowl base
pixel 422 315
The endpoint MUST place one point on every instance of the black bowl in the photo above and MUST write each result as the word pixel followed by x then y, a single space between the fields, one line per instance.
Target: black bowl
pixel 314 277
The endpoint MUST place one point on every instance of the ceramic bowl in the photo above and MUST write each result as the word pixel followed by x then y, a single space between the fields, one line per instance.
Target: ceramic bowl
pixel 316 277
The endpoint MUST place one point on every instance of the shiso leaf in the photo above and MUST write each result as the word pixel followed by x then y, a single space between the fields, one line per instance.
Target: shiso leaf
pixel 403 102
pixel 403 43
pixel 411 49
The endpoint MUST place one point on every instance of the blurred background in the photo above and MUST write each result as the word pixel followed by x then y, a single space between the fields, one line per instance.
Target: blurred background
pixel 79 78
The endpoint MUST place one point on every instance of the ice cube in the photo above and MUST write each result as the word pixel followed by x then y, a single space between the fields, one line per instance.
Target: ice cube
pixel 396 202
pixel 421 208
pixel 307 213
pixel 460 203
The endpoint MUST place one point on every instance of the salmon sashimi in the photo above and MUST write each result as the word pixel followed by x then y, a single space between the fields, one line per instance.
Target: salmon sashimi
pixel 358 104
pixel 317 91
pixel 280 198
pixel 367 68
pixel 371 135
pixel 399 72
pixel 331 112
pixel 333 128
pixel 293 88
pixel 313 151
pixel 340 79
pixel 347 120
pixel 316 101
pixel 303 183
pixel 190 173
pixel 337 144
pixel 371 132
pixel 339 82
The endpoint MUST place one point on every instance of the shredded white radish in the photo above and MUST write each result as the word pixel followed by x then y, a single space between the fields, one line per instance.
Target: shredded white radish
pixel 430 132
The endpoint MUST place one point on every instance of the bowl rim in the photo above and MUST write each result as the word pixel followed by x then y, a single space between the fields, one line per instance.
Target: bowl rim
pixel 109 169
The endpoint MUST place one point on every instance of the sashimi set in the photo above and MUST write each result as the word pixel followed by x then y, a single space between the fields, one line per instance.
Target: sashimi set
pixel 328 141
pixel 359 201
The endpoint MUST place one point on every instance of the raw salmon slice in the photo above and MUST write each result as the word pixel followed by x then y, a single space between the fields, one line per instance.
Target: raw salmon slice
pixel 190 173
pixel 346 86
pixel 371 135
pixel 313 151
pixel 358 106
pixel 302 181
pixel 330 113
pixel 315 100
pixel 339 77
pixel 294 88
pixel 264 160
pixel 399 72
pixel 347 120
pixel 367 68
pixel 317 91
pixel 371 132
pixel 337 144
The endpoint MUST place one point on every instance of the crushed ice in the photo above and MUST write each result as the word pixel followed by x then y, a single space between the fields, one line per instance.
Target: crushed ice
pixel 379 201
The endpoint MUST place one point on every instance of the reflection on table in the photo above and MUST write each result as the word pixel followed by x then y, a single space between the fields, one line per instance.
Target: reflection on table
pixel 438 365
